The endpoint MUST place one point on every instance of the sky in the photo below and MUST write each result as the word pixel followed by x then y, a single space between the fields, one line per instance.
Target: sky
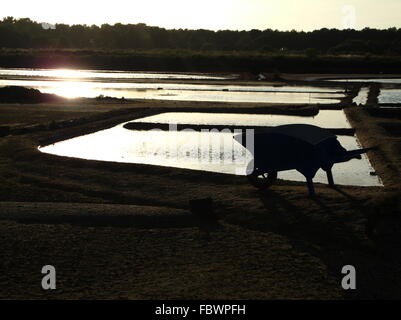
pixel 298 15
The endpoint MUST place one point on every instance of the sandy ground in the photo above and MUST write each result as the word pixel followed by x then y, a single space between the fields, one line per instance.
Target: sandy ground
pixel 124 231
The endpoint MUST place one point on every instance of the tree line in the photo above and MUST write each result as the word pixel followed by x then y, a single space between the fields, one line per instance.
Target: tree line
pixel 25 33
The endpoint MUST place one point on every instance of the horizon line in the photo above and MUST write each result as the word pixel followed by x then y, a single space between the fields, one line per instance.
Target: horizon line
pixel 189 29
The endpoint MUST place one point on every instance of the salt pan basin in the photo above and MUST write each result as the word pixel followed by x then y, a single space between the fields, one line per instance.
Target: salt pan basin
pixel 206 151
pixel 183 92
pixel 101 74
pixel 376 80
pixel 333 119
pixel 390 96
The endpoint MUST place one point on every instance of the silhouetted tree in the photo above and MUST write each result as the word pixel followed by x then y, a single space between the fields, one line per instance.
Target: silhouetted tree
pixel 25 33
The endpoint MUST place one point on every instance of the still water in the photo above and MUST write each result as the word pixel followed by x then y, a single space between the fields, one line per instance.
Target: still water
pixel 390 96
pixel 103 74
pixel 370 80
pixel 206 151
pixel 333 119
pixel 182 92
pixel 119 84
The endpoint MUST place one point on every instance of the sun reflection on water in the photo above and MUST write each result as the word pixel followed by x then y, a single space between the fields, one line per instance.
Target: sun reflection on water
pixel 66 73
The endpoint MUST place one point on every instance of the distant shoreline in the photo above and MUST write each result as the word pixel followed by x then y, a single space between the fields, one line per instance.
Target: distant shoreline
pixel 199 61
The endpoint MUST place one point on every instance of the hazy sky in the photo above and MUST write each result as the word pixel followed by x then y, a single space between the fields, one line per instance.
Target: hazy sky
pixel 213 14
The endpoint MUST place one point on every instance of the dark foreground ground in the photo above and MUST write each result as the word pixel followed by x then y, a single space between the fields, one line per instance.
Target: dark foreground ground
pixel 125 231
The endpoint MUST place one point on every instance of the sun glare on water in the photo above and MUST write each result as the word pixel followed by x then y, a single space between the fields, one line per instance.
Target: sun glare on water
pixel 71 89
pixel 66 73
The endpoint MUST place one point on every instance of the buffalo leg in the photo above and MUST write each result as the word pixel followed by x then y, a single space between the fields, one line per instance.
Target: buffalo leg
pixel 330 177
pixel 311 188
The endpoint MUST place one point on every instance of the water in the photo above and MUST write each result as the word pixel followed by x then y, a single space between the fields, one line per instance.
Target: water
pixel 102 74
pixel 119 84
pixel 182 92
pixel 333 119
pixel 370 80
pixel 362 97
pixel 390 96
pixel 165 86
pixel 206 151
pixel 251 97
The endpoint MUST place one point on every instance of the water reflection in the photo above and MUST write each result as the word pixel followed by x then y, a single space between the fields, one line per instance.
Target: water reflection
pixel 390 96
pixel 207 151
pixel 117 84
pixel 377 80
pixel 98 74
pixel 183 92
pixel 333 119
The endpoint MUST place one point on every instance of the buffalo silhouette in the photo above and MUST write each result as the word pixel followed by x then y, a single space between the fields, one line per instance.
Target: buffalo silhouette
pixel 305 148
